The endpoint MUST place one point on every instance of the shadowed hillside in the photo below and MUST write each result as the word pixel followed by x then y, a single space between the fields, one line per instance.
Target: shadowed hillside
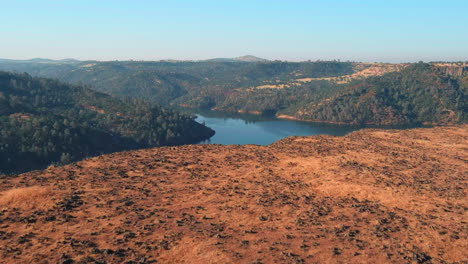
pixel 43 121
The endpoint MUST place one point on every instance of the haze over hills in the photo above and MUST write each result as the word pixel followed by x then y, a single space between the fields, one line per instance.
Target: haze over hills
pixel 41 60
pixel 245 58
pixel 250 58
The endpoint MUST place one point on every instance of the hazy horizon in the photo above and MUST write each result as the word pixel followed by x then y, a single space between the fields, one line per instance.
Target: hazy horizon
pixel 207 59
pixel 367 31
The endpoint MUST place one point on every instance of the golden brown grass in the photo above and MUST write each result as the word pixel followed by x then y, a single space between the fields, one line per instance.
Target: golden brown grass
pixel 34 197
pixel 373 196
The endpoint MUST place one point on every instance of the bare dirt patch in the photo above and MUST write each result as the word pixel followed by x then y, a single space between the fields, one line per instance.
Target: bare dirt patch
pixel 364 70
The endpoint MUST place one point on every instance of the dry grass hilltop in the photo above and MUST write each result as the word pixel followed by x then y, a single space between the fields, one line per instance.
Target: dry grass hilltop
pixel 373 196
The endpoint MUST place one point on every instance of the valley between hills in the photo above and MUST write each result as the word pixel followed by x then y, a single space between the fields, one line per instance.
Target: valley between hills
pixel 321 91
pixel 90 108
pixel 372 196
pixel 145 132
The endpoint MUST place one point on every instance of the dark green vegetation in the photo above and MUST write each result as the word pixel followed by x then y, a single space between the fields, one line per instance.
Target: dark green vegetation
pixel 419 93
pixel 43 121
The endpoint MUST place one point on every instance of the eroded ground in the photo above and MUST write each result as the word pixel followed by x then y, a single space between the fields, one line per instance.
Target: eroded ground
pixel 374 196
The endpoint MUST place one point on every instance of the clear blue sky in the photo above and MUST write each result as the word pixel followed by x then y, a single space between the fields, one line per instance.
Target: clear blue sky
pixel 359 30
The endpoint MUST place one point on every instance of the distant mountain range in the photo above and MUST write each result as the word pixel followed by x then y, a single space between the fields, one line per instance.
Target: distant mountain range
pixel 245 58
pixel 41 60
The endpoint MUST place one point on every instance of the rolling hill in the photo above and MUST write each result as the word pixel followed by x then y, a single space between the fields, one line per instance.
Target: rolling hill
pixel 373 196
pixel 44 121
pixel 323 91
pixel 418 94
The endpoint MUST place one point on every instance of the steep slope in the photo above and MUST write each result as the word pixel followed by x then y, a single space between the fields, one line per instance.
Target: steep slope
pixel 420 93
pixel 43 121
pixel 374 196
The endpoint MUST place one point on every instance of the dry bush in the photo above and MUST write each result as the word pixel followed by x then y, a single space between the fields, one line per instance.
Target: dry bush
pixel 34 197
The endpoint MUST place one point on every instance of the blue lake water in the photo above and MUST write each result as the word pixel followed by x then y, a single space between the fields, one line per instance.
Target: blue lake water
pixel 253 129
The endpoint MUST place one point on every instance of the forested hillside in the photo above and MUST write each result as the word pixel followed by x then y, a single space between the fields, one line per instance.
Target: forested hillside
pixel 421 93
pixel 43 121
pixel 199 84
pixel 325 91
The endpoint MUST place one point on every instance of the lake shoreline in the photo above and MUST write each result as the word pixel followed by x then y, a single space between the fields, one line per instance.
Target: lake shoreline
pixel 241 129
pixel 318 121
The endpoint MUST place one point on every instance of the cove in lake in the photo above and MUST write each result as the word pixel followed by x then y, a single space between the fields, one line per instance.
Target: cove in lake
pixel 233 128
